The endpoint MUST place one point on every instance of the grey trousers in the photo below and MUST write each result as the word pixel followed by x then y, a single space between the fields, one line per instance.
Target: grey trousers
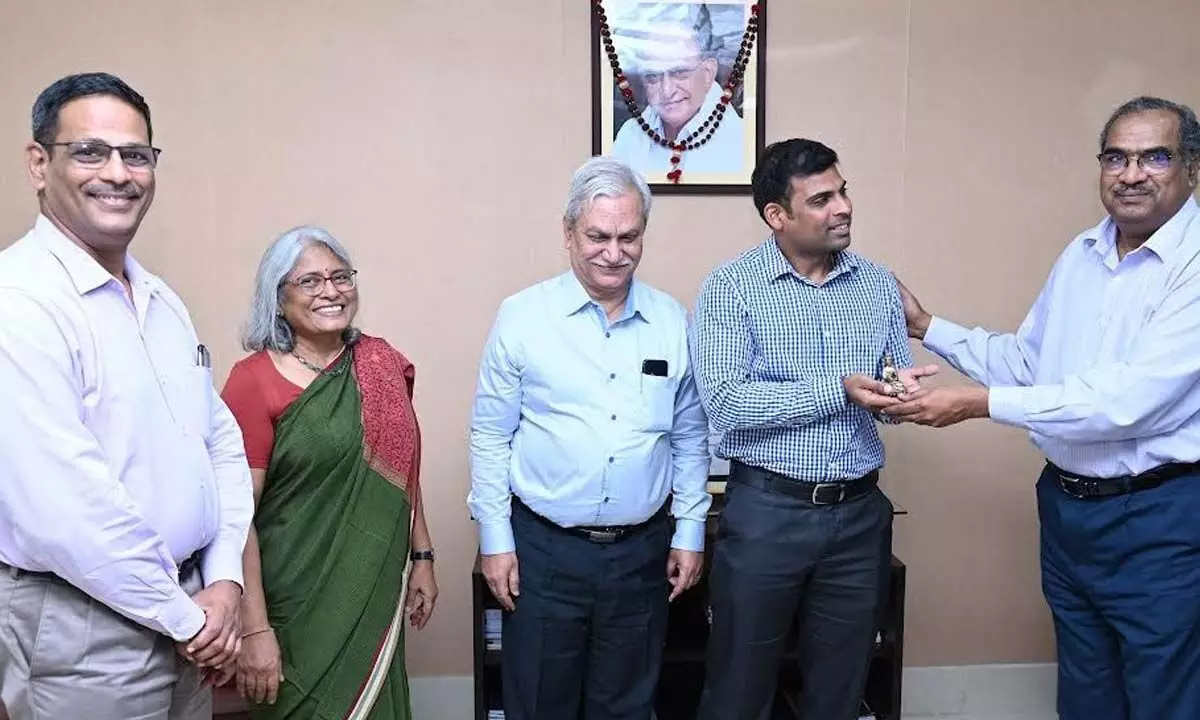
pixel 64 655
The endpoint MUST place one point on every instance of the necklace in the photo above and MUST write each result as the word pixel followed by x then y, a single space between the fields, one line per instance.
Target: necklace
pixel 315 368
pixel 705 132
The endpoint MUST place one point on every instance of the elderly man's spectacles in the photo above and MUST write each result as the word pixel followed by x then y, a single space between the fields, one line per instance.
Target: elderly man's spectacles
pixel 313 284
pixel 1153 161
pixel 96 153
pixel 678 74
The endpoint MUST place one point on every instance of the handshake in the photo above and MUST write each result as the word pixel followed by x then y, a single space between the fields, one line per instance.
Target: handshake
pixel 900 397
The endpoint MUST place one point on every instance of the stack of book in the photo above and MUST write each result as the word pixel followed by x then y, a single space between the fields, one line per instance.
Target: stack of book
pixel 491 629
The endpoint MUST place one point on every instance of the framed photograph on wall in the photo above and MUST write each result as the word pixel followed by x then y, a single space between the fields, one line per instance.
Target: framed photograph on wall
pixel 678 90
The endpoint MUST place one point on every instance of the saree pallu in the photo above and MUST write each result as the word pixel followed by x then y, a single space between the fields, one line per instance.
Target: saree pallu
pixel 334 524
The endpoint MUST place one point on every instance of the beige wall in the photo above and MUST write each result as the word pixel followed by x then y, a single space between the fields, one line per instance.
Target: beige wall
pixel 967 130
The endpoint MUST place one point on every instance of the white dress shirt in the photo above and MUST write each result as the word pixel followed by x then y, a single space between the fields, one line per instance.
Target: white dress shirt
pixel 566 419
pixel 725 152
pixel 1105 370
pixel 119 458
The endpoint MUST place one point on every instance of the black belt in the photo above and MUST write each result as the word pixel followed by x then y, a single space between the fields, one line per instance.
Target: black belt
pixel 1091 488
pixel 821 493
pixel 603 534
pixel 189 565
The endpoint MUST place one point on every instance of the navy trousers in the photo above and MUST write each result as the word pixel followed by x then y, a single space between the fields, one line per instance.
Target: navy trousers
pixel 1122 577
pixel 586 640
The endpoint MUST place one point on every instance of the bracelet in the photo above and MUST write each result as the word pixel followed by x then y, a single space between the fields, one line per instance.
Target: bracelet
pixel 421 555
pixel 257 632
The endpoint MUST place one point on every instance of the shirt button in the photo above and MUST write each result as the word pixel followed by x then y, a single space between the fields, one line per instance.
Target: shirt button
pixel 614 417
pixel 605 499
pixel 612 376
pixel 610 459
pixel 607 334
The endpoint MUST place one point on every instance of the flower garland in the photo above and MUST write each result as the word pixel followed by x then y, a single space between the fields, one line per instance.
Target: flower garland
pixel 703 133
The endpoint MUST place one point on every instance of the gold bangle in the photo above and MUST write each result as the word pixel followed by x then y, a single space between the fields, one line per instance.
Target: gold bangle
pixel 257 632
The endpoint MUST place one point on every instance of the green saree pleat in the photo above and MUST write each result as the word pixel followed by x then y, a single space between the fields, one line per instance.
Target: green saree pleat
pixel 334 539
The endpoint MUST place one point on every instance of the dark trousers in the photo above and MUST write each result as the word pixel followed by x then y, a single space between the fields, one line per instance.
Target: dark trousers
pixel 590 623
pixel 776 557
pixel 1122 577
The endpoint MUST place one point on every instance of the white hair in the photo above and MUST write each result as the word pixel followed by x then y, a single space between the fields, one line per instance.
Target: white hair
pixel 604 176
pixel 266 328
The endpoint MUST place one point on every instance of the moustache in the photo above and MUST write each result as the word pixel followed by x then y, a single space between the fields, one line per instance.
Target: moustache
pixel 125 190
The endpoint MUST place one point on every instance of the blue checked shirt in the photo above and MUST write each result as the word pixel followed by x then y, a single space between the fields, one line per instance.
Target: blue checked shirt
pixel 770 349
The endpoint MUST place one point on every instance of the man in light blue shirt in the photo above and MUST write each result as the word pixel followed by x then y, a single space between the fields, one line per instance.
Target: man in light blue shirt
pixel 1105 375
pixel 586 419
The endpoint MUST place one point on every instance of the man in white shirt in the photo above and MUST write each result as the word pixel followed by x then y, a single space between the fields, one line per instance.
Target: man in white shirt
pixel 677 67
pixel 126 496
pixel 1104 373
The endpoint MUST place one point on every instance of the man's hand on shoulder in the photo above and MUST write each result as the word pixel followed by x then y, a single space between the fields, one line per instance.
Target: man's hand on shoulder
pixel 217 644
pixel 915 317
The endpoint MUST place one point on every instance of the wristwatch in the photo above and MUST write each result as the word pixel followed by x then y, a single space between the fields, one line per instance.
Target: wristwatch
pixel 421 555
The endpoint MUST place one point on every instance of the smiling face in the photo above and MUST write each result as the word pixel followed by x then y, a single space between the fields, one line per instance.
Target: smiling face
pixel 605 244
pixel 98 202
pixel 817 219
pixel 1148 188
pixel 332 309
pixel 677 79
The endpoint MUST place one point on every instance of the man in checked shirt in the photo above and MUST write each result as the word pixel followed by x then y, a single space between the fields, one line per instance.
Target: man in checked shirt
pixel 788 341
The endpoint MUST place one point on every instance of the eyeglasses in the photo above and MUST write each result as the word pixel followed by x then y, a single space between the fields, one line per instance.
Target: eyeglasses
pixel 96 153
pixel 313 284
pixel 1153 161
pixel 678 74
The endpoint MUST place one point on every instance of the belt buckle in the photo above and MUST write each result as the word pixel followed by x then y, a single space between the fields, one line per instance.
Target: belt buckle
pixel 1075 487
pixel 841 487
pixel 603 536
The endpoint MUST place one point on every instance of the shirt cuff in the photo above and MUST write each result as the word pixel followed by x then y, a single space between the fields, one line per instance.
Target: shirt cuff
pixel 182 618
pixel 689 535
pixel 1006 405
pixel 496 538
pixel 221 560
pixel 829 395
pixel 941 334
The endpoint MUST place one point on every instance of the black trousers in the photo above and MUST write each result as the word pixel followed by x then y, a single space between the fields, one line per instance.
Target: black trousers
pixel 778 557
pixel 586 638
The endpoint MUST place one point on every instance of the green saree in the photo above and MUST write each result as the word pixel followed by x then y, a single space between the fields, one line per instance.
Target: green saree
pixel 333 527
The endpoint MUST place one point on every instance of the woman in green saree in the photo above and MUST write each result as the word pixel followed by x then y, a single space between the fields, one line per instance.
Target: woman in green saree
pixel 334 448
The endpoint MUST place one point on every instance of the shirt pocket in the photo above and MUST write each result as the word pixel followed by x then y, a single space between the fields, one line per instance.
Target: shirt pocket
pixel 657 407
pixel 193 400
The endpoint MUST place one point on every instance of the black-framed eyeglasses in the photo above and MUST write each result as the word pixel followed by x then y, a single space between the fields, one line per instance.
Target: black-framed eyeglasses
pixel 313 283
pixel 1153 161
pixel 96 153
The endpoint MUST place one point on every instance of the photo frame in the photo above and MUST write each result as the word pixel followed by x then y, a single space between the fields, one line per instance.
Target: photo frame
pixel 693 133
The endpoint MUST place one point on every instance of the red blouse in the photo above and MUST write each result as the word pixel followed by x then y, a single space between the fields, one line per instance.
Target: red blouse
pixel 257 395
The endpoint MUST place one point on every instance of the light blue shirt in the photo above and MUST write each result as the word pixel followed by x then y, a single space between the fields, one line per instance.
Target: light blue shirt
pixel 566 420
pixel 1105 370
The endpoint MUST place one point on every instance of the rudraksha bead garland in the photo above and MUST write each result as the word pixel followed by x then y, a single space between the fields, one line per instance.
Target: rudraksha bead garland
pixel 709 126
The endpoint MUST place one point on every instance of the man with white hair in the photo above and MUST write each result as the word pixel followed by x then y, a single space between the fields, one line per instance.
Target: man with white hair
pixel 673 52
pixel 586 418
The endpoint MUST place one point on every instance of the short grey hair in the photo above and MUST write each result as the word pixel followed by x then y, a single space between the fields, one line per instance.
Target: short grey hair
pixel 266 328
pixel 1189 127
pixel 604 176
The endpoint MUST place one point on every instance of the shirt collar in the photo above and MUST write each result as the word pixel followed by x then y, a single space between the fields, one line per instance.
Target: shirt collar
pixel 1162 243
pixel 85 273
pixel 777 265
pixel 573 298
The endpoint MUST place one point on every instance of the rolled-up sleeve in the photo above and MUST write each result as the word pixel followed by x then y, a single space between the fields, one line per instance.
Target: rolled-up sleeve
pixel 59 502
